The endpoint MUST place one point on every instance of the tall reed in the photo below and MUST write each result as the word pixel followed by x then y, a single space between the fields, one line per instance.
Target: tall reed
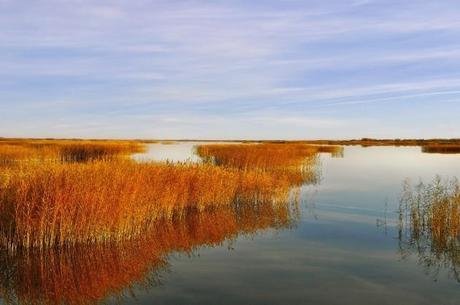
pixel 429 224
pixel 296 161
pixel 15 151
pixel 60 204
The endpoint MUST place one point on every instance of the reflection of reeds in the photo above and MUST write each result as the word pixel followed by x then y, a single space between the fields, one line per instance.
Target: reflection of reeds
pixel 92 274
pixel 48 204
pixel 441 149
pixel 298 162
pixel 430 224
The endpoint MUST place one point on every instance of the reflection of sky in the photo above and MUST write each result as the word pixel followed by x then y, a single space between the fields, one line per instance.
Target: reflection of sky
pixel 174 152
pixel 367 178
pixel 320 263
pixel 341 257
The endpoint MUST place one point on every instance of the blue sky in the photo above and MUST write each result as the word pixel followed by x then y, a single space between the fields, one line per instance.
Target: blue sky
pixel 230 69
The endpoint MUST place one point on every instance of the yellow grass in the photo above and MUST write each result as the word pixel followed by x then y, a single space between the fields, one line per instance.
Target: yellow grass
pixel 47 204
pixel 96 273
pixel 429 223
pixel 297 161
pixel 13 151
pixel 82 192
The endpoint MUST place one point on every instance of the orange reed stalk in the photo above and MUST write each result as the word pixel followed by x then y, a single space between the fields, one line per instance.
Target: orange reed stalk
pixel 59 204
pixel 297 162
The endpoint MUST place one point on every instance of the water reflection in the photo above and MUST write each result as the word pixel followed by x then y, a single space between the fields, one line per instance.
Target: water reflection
pixel 429 225
pixel 441 149
pixel 99 273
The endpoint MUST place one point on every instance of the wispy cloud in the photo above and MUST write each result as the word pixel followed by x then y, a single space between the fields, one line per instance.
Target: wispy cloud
pixel 269 66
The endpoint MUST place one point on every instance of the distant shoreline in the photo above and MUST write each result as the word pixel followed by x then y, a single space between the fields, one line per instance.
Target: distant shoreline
pixel 347 142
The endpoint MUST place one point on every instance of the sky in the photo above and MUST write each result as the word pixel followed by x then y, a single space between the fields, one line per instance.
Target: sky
pixel 294 69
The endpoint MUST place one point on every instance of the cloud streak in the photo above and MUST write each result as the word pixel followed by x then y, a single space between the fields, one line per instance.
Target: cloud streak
pixel 291 69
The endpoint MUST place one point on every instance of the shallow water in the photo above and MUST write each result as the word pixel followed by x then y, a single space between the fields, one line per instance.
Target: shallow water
pixel 343 248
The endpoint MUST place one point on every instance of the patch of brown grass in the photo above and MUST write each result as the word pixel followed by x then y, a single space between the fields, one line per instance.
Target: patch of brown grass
pixel 60 204
pixel 14 151
pixel 429 223
pixel 296 161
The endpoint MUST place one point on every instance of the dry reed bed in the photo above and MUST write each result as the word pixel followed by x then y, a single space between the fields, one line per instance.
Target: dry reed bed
pixel 14 151
pixel 81 192
pixel 297 161
pixel 429 224
pixel 94 274
pixel 61 204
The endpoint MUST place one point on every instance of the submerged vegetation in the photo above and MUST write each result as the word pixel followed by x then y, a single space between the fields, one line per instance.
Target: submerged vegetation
pixel 97 273
pixel 429 225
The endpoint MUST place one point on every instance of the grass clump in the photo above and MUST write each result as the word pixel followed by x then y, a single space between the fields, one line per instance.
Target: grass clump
pixel 20 151
pixel 429 224
pixel 298 162
pixel 59 204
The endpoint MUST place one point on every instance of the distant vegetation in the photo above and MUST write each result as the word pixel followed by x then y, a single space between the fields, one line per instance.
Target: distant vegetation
pixel 362 142
pixel 367 142
pixel 14 150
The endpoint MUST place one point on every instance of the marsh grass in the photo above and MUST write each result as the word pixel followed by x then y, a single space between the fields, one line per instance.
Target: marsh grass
pixel 429 224
pixel 61 193
pixel 99 273
pixel 298 162
pixel 17 151
pixel 60 204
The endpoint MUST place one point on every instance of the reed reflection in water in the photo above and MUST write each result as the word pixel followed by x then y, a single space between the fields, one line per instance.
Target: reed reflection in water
pixel 429 225
pixel 97 273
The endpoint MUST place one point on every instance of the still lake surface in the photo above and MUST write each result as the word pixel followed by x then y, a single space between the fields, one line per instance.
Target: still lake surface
pixel 342 246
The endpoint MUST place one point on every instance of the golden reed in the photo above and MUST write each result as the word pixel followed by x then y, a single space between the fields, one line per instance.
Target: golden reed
pixel 14 151
pixel 297 162
pixel 429 224
pixel 47 204
pixel 63 193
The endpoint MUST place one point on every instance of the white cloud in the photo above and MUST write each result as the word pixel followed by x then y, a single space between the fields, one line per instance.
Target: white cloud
pixel 224 59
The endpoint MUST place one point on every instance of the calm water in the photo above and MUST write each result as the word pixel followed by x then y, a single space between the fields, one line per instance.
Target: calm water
pixel 342 248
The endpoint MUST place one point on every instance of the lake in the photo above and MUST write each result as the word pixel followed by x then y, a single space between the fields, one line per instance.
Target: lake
pixel 338 244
